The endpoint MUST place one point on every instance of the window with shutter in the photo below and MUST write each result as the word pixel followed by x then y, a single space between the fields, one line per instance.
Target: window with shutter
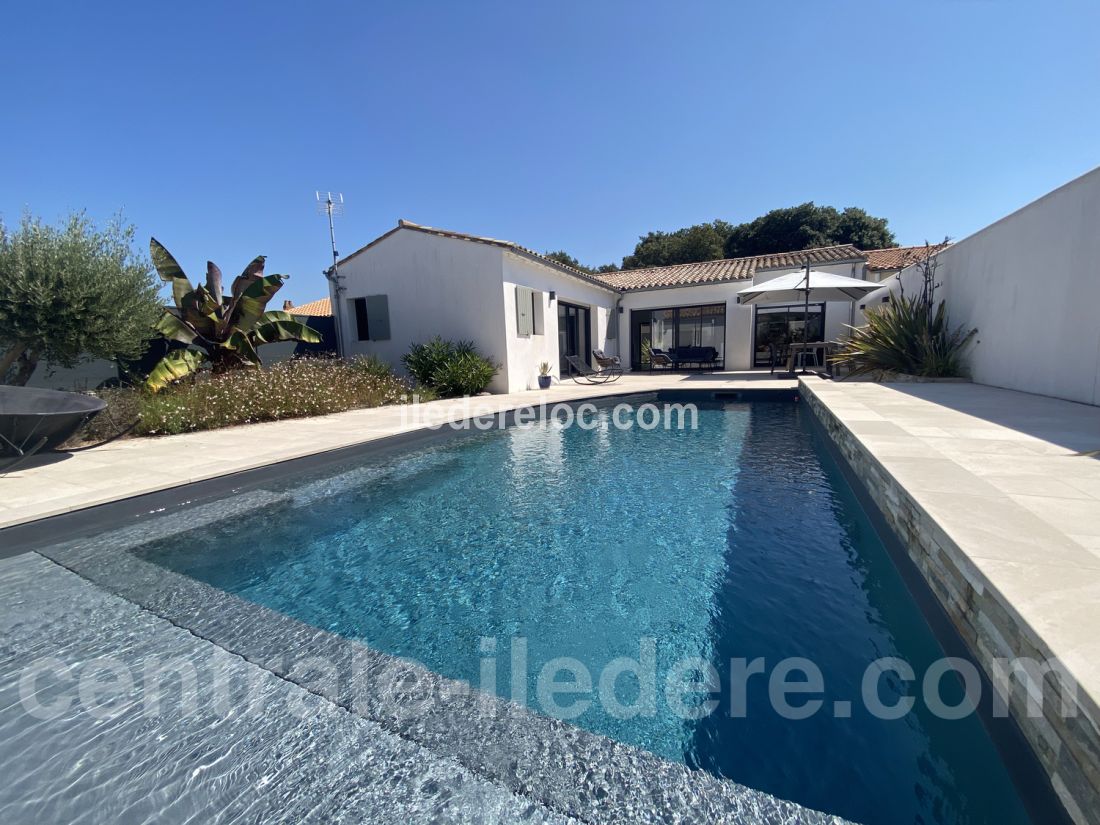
pixel 378 317
pixel 362 327
pixel 523 312
pixel 537 322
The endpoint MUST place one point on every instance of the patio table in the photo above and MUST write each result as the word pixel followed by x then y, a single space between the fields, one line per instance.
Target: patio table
pixel 797 347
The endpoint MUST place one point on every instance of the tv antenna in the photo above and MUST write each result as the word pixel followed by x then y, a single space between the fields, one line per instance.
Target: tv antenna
pixel 331 204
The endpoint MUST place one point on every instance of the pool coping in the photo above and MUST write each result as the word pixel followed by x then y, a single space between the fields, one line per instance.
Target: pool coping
pixel 58 483
pixel 64 528
pixel 572 771
pixel 26 535
pixel 968 591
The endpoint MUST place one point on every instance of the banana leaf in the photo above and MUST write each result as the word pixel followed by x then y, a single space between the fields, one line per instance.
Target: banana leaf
pixel 251 303
pixel 252 273
pixel 169 270
pixel 174 329
pixel 200 310
pixel 270 329
pixel 243 348
pixel 214 282
pixel 177 364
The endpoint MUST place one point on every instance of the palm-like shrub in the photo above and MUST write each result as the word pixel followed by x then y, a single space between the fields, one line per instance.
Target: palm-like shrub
pixel 226 329
pixel 449 368
pixel 465 374
pixel 423 360
pixel 907 335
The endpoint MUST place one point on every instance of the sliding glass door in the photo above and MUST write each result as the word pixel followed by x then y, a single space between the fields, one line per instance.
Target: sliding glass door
pixel 777 327
pixel 574 323
pixel 692 335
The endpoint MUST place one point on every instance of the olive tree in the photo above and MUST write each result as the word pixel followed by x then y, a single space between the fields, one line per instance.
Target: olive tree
pixel 72 293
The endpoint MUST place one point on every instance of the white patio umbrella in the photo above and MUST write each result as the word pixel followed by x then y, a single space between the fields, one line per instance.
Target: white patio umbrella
pixel 804 285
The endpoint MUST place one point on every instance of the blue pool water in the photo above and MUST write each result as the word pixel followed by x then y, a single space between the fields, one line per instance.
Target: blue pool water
pixel 736 540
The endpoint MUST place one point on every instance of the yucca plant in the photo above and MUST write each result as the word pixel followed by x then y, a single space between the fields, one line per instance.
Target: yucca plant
pixel 449 368
pixel 226 329
pixel 467 373
pixel 908 336
pixel 423 360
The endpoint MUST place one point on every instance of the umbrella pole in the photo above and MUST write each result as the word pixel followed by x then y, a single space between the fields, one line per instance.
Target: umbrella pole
pixel 806 321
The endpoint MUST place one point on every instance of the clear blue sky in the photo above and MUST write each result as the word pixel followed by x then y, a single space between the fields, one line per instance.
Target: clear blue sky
pixel 575 125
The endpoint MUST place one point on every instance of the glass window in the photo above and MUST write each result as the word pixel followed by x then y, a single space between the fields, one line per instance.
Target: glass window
pixel 686 334
pixel 778 326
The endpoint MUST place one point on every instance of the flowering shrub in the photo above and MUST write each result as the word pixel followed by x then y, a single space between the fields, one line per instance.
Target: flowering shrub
pixel 290 389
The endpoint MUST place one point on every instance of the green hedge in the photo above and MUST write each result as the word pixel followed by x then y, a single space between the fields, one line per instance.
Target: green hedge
pixel 449 368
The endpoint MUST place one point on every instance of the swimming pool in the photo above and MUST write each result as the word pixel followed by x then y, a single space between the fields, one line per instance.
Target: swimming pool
pixel 487 557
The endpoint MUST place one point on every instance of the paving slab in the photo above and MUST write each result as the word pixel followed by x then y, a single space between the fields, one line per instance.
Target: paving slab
pixel 996 495
pixel 60 483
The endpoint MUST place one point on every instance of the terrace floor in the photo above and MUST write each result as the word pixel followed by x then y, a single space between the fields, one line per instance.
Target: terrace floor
pixel 1010 485
pixel 1005 474
pixel 60 483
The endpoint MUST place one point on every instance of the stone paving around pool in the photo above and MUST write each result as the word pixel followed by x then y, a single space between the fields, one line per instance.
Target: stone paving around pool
pixel 59 483
pixel 276 743
pixel 995 493
pixel 997 499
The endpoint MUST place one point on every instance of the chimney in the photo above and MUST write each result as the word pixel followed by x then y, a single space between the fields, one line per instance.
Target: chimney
pixel 288 306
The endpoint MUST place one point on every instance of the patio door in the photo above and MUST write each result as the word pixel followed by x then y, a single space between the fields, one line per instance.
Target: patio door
pixel 781 325
pixel 641 339
pixel 573 331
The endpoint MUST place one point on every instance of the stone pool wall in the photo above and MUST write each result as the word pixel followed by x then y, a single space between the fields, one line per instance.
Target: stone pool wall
pixel 1067 745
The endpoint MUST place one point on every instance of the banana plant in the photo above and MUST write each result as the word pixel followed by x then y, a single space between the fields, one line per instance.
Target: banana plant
pixel 225 330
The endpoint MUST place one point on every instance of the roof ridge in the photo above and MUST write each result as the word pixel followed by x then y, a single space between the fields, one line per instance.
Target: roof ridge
pixel 911 246
pixel 511 245
pixel 741 258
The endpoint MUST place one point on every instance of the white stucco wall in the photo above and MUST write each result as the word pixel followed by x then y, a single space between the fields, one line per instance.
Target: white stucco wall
pixel 738 353
pixel 1030 284
pixel 839 315
pixel 435 286
pixel 464 290
pixel 526 353
pixel 739 319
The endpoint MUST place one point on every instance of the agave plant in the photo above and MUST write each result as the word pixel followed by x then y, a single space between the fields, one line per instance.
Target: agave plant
pixel 225 329
pixel 908 336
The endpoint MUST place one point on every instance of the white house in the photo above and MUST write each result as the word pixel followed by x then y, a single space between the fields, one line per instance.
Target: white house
pixel 518 307
pixel 522 309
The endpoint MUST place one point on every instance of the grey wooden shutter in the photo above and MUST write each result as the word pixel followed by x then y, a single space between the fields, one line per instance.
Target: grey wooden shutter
pixel 378 317
pixel 523 312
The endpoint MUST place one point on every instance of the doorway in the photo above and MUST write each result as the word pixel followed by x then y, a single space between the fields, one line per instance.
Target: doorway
pixel 574 323
pixel 779 326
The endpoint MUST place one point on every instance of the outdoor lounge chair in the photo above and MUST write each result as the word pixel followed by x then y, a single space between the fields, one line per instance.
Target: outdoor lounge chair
pixel 606 362
pixel 660 358
pixel 581 373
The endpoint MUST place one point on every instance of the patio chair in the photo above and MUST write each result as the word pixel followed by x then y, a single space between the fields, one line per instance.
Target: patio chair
pixel 581 373
pixel 606 362
pixel 660 358
pixel 778 355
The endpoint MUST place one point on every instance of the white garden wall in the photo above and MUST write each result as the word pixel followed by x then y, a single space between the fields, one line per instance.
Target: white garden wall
pixel 1030 284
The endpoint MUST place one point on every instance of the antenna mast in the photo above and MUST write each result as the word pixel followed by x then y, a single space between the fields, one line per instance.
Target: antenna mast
pixel 332 205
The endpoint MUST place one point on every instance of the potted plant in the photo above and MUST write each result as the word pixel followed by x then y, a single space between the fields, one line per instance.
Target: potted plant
pixel 544 376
